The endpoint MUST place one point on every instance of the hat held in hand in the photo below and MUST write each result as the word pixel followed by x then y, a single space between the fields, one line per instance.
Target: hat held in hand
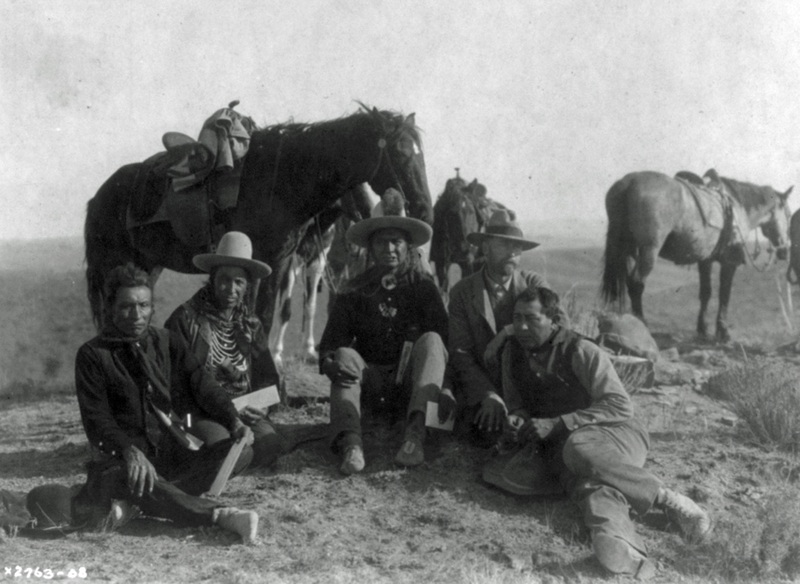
pixel 389 213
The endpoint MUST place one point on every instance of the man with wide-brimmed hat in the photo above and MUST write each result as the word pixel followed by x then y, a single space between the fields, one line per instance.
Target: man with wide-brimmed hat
pixel 221 330
pixel 391 306
pixel 481 309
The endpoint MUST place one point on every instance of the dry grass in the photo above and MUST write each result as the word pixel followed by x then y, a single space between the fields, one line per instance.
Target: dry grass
pixel 766 394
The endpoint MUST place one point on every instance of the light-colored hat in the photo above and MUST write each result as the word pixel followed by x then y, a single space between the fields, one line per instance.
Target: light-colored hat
pixel 389 213
pixel 501 226
pixel 234 249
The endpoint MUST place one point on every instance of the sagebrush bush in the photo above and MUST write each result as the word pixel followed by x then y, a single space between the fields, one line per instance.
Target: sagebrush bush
pixel 766 395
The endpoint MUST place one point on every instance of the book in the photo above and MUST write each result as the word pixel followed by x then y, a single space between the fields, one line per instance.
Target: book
pixel 259 399
pixel 432 418
pixel 227 468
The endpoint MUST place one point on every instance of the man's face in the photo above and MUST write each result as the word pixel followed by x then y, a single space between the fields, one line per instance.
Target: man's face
pixel 230 286
pixel 389 247
pixel 531 326
pixel 502 256
pixel 132 310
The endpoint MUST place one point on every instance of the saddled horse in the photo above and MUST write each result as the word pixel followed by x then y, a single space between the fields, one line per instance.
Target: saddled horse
pixel 461 209
pixel 651 213
pixel 794 250
pixel 290 173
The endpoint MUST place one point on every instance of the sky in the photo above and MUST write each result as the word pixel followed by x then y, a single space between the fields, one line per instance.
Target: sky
pixel 546 103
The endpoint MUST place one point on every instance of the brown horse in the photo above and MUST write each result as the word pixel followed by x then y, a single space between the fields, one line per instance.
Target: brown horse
pixel 460 210
pixel 290 174
pixel 651 213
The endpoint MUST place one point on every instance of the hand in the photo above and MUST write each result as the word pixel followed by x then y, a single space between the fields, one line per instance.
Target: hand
pixel 492 413
pixel 490 355
pixel 512 426
pixel 537 428
pixel 141 472
pixel 243 432
pixel 447 405
pixel 335 371
pixel 251 415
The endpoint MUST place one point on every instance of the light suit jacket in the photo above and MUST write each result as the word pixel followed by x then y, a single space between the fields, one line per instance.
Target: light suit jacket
pixel 471 328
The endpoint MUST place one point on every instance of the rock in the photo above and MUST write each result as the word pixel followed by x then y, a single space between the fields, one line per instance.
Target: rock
pixel 626 335
pixel 670 354
pixel 677 373
pixel 729 420
pixel 697 357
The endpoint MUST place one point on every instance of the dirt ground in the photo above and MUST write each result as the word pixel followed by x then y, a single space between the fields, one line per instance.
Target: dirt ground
pixel 436 523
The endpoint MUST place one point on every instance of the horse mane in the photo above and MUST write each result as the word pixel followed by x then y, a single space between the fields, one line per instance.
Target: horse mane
pixel 750 196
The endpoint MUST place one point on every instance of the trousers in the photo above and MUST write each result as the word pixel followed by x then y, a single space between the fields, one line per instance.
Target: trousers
pixel 602 471
pixel 373 387
pixel 182 476
pixel 267 445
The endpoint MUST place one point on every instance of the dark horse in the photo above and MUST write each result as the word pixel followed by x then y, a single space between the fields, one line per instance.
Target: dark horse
pixel 462 208
pixel 651 213
pixel 291 173
pixel 794 250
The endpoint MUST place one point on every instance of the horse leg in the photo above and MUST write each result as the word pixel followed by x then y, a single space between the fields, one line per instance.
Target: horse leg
pixel 704 269
pixel 314 271
pixel 726 273
pixel 638 270
pixel 286 287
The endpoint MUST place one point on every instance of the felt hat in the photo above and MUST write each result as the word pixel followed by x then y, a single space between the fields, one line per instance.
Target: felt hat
pixel 501 226
pixel 234 249
pixel 50 507
pixel 389 213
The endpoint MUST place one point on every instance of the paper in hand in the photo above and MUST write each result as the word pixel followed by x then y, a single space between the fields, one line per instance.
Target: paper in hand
pixel 260 399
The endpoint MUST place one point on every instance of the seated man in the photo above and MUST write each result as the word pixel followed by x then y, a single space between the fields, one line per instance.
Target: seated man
pixel 564 396
pixel 129 379
pixel 480 321
pixel 390 304
pixel 218 326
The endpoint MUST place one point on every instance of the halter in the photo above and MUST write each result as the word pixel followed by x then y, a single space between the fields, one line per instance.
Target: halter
pixel 382 143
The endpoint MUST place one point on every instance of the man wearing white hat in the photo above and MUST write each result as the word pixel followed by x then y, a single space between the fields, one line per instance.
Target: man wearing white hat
pixel 390 306
pixel 481 312
pixel 219 327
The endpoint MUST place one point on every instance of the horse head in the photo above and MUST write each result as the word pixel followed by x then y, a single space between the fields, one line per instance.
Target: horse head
pixel 402 162
pixel 776 227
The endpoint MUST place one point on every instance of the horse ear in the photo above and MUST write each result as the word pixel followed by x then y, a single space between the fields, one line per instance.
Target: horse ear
pixel 788 192
pixel 410 119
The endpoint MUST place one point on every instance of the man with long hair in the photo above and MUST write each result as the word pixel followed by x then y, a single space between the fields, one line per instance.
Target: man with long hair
pixel 383 347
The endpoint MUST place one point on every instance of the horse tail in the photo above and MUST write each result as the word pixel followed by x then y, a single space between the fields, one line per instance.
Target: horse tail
pixel 105 237
pixel 618 245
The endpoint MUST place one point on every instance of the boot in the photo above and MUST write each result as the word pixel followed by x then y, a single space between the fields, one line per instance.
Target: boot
pixel 245 523
pixel 352 460
pixel 619 557
pixel 411 452
pixel 695 523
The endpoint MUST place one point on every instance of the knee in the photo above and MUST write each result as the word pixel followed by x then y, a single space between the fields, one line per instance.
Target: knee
pixel 577 457
pixel 430 343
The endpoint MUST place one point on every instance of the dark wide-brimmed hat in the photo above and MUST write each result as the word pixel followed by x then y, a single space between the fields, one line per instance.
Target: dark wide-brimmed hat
pixel 389 213
pixel 234 249
pixel 50 507
pixel 501 226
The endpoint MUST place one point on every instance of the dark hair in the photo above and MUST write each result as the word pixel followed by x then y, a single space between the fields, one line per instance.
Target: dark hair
pixel 551 304
pixel 125 276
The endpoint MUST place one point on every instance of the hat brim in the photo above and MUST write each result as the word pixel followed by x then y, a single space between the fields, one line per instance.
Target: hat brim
pixel 418 231
pixel 479 237
pixel 208 261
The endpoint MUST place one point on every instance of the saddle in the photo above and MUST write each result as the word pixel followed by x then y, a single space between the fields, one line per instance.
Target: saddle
pixel 193 182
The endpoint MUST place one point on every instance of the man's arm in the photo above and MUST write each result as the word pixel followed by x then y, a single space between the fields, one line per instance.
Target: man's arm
pixel 337 331
pixel 610 401
pixel 464 355
pixel 101 428
pixel 434 313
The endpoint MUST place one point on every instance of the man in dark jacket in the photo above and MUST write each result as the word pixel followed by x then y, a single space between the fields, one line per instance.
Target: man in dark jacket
pixel 389 317
pixel 131 380
pixel 480 321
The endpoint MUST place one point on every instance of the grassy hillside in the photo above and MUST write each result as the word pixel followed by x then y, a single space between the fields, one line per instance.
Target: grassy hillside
pixel 46 314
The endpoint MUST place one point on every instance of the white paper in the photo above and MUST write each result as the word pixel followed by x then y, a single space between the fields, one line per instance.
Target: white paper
pixel 259 399
pixel 432 418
